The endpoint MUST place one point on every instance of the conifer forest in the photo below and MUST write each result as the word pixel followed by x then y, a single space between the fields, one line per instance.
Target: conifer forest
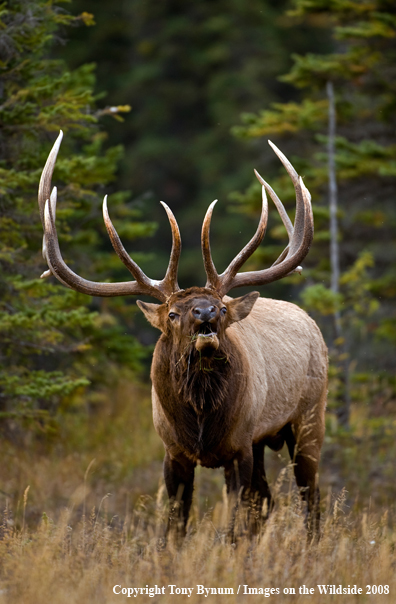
pixel 175 101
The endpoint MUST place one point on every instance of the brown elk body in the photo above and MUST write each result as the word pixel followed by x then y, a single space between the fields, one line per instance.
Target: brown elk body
pixel 230 376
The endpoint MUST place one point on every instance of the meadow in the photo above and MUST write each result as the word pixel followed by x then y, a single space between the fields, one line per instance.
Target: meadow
pixel 84 514
pixel 82 500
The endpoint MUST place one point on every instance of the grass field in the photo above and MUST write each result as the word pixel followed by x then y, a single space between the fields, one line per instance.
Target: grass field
pixel 85 512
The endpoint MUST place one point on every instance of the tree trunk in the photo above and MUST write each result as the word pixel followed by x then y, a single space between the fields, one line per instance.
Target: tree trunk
pixel 343 407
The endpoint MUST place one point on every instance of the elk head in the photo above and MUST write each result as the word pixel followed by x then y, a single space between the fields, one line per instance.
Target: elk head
pixel 198 312
pixel 197 316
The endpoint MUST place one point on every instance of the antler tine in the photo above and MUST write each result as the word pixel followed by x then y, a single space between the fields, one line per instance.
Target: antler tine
pixel 170 279
pixel 210 269
pixel 307 200
pixel 295 232
pixel 290 170
pixel 282 212
pixel 44 190
pixel 222 281
pixel 300 237
pixel 278 204
pixel 51 251
pixel 168 285
pixel 46 176
pixel 119 249
pixel 291 262
pixel 255 241
pixel 52 204
pixel 299 219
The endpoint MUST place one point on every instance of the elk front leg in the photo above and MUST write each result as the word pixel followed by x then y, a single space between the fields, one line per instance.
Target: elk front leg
pixel 238 476
pixel 260 491
pixel 179 481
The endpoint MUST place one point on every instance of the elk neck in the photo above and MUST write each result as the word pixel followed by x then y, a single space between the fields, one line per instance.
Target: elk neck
pixel 198 391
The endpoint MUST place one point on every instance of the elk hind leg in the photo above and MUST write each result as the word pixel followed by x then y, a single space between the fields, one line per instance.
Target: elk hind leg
pixel 304 451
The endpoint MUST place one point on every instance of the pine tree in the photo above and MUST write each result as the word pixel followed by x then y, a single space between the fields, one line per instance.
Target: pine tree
pixel 54 342
pixel 188 69
pixel 361 69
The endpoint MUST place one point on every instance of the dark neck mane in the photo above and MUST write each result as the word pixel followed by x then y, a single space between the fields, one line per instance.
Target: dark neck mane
pixel 197 394
pixel 202 381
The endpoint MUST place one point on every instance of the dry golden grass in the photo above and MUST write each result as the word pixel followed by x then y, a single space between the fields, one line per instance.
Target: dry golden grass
pixel 65 563
pixel 65 539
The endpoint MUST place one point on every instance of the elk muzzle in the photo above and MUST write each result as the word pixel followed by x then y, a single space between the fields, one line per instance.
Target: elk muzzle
pixel 206 317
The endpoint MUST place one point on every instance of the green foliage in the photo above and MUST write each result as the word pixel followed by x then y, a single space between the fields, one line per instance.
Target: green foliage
pixel 355 299
pixel 355 304
pixel 355 283
pixel 361 66
pixel 387 330
pixel 188 69
pixel 320 299
pixel 52 343
pixel 284 118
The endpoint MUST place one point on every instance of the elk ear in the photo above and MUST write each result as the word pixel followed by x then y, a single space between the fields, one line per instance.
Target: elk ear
pixel 239 308
pixel 153 313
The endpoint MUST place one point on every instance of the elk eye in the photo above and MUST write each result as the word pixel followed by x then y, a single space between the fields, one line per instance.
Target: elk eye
pixel 223 310
pixel 172 316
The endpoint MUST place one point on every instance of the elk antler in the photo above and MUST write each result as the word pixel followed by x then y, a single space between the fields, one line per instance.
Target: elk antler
pixel 300 239
pixel 57 267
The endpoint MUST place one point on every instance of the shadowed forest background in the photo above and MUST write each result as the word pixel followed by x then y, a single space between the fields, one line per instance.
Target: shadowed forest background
pixel 175 101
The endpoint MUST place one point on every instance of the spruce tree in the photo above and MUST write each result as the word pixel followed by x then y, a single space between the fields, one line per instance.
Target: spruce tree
pixel 188 69
pixel 361 69
pixel 54 342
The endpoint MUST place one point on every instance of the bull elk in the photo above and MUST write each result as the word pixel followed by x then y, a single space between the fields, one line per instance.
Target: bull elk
pixel 229 376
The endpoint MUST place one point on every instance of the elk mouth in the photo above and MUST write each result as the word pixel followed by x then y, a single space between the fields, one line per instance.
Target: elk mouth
pixel 206 329
pixel 206 337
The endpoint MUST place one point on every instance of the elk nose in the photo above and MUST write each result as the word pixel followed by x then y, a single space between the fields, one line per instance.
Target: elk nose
pixel 204 314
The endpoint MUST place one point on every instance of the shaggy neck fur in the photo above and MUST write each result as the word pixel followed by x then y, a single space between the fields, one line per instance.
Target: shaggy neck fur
pixel 202 379
pixel 197 394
